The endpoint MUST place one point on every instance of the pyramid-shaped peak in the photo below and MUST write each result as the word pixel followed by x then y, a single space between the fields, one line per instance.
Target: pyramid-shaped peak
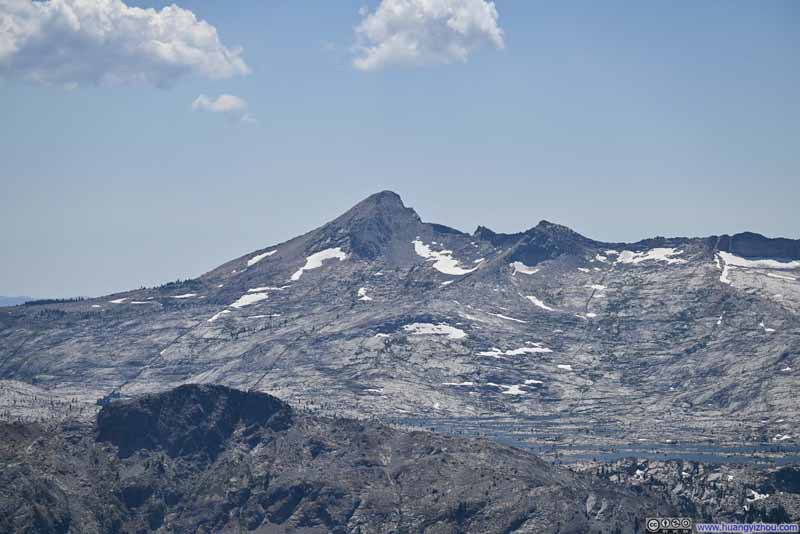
pixel 386 199
pixel 385 205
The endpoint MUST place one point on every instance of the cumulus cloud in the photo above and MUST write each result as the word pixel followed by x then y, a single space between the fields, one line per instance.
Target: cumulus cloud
pixel 233 106
pixel 424 32
pixel 106 42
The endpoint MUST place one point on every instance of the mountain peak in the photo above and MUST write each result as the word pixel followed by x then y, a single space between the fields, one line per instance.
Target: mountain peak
pixel 383 197
pixel 372 223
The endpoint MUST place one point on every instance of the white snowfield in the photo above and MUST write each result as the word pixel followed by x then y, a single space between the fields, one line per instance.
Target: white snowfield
pixel 539 303
pixel 362 294
pixel 443 260
pixel 782 277
pixel 315 260
pixel 218 315
pixel 184 296
pixel 441 329
pixel 519 267
pixel 257 258
pixel 737 261
pixel 495 352
pixel 507 318
pixel 508 389
pixel 533 382
pixel 596 287
pixel 458 383
pixel 118 301
pixel 654 254
pixel 266 288
pixel 727 262
pixel 249 299
pixel 565 367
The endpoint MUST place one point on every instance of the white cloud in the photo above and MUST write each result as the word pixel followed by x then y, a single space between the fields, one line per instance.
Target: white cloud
pixel 231 105
pixel 223 104
pixel 424 32
pixel 106 42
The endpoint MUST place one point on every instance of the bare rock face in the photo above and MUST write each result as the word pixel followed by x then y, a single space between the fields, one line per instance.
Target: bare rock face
pixel 213 459
pixel 548 336
pixel 189 420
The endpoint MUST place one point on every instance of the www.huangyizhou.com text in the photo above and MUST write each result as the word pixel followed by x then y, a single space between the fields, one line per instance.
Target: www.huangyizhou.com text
pixel 747 527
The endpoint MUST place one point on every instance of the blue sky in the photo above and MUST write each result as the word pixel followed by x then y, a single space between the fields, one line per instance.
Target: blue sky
pixel 622 120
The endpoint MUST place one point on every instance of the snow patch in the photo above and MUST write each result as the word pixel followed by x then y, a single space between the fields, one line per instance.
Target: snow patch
pixel 533 382
pixel 218 315
pixel 494 352
pixel 315 260
pixel 654 254
pixel 781 277
pixel 519 267
pixel 737 261
pixel 596 287
pixel 507 318
pixel 565 367
pixel 584 270
pixel 539 303
pixel 184 296
pixel 458 383
pixel 362 294
pixel 756 496
pixel 443 260
pixel 508 389
pixel 257 258
pixel 441 329
pixel 266 288
pixel 118 301
pixel 249 299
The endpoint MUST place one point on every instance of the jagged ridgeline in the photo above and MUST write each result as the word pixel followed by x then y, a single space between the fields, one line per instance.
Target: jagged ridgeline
pixel 378 313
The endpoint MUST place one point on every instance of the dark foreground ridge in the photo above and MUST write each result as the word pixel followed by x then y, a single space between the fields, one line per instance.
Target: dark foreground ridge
pixel 213 459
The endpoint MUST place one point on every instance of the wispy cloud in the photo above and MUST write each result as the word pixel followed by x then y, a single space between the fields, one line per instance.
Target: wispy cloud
pixel 107 42
pixel 230 105
pixel 424 32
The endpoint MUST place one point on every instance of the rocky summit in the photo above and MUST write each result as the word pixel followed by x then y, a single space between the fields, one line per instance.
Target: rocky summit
pixel 544 336
pixel 663 373
pixel 205 459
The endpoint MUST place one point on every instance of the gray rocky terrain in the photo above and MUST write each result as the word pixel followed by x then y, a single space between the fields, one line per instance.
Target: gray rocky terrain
pixel 712 492
pixel 378 314
pixel 203 458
